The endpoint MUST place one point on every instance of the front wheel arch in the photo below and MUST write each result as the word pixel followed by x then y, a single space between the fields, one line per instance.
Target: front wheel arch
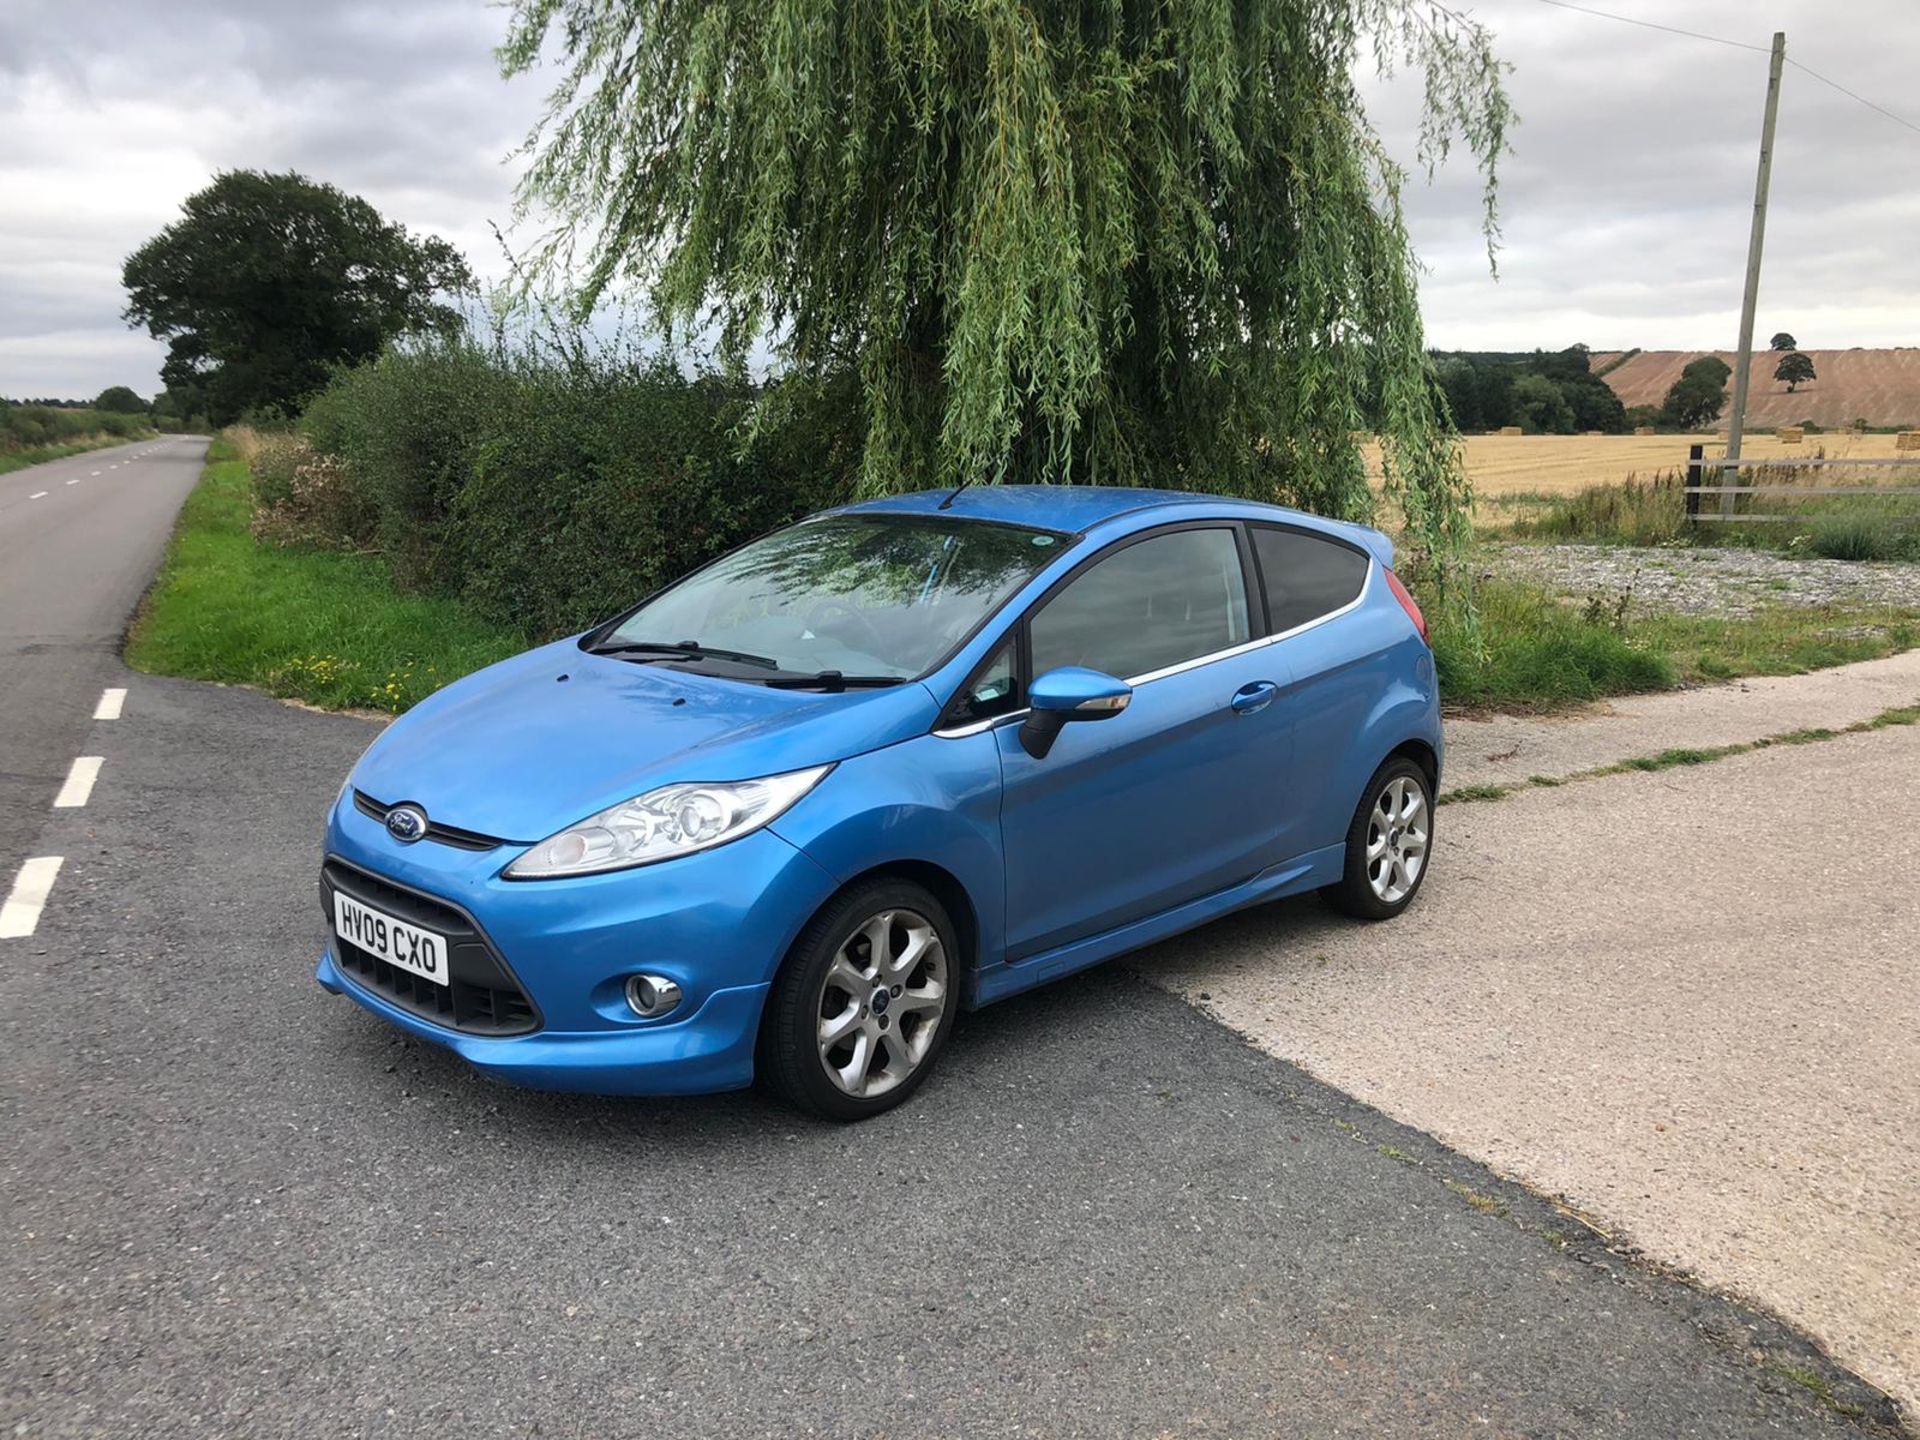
pixel 938 881
pixel 783 1062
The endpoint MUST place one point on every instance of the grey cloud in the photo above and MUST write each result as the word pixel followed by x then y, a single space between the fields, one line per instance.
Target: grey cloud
pixel 1624 204
pixel 1627 199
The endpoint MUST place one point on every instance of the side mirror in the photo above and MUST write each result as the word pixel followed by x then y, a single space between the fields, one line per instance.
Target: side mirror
pixel 1069 693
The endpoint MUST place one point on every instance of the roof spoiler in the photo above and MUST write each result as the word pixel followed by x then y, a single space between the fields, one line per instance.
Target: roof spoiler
pixel 1368 538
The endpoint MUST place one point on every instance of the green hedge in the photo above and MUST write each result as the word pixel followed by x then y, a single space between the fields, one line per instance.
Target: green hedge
pixel 43 427
pixel 549 492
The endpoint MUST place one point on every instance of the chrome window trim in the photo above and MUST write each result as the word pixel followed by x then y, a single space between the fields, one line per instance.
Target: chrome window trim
pixel 977 727
pixel 1251 645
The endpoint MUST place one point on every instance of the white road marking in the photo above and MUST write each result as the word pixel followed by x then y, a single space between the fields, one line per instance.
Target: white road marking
pixel 74 481
pixel 20 915
pixel 110 703
pixel 38 495
pixel 93 472
pixel 73 794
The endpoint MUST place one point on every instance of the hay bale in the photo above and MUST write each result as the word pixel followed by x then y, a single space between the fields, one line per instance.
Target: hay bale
pixel 1593 432
pixel 1510 430
pixel 1643 430
pixel 1907 440
pixel 1790 434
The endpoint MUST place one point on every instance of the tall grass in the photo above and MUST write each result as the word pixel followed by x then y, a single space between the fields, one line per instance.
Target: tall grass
pixel 1861 537
pixel 1534 651
pixel 1635 512
pixel 1630 512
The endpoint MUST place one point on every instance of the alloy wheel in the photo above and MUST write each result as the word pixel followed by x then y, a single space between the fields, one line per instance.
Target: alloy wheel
pixel 882 1003
pixel 1397 831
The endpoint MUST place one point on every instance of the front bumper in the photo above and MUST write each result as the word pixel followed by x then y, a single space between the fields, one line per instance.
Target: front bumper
pixel 718 923
pixel 710 1050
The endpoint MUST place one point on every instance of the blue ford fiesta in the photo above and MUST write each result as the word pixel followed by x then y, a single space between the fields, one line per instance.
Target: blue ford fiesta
pixel 789 815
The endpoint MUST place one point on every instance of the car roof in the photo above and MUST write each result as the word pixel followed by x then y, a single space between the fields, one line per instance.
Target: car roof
pixel 1072 508
pixel 1077 509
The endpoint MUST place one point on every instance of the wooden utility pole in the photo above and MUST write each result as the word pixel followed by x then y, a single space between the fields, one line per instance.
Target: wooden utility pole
pixel 1755 239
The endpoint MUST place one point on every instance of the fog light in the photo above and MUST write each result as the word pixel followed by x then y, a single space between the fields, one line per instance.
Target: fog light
pixel 652 995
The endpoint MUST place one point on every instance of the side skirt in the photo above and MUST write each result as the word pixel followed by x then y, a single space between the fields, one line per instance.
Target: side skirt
pixel 1311 871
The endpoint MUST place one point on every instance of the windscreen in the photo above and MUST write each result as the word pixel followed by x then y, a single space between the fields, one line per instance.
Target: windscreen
pixel 884 597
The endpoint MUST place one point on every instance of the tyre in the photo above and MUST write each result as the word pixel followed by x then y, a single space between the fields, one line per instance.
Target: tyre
pixel 1388 844
pixel 861 1008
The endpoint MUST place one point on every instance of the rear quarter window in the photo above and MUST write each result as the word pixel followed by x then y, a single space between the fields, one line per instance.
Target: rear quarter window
pixel 1305 575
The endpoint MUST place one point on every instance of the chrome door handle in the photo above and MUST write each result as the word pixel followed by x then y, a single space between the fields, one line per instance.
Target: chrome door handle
pixel 1257 696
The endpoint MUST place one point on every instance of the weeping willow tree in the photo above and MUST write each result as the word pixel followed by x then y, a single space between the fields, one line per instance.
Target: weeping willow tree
pixel 1125 241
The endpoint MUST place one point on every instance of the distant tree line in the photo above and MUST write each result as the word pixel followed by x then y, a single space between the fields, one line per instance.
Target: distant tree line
pixel 1543 392
pixel 116 400
pixel 1558 393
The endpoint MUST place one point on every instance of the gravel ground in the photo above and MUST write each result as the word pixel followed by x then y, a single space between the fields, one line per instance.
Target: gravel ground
pixel 1684 1000
pixel 1701 581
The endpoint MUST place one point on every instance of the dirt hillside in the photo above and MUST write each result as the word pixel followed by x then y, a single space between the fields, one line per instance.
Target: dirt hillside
pixel 1881 386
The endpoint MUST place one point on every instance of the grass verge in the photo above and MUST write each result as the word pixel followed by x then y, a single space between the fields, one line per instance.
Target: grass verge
pixel 330 628
pixel 325 628
pixel 1673 759
pixel 1539 653
pixel 11 460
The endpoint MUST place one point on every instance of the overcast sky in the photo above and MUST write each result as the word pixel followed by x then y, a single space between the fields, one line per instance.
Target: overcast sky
pixel 1625 205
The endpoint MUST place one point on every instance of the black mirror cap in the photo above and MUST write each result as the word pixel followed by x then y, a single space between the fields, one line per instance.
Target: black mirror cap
pixel 1040 729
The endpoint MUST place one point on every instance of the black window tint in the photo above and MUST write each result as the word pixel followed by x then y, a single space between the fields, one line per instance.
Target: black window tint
pixel 1155 603
pixel 1305 576
pixel 994 691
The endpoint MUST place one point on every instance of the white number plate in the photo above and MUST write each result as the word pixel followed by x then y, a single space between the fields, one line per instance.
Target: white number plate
pixel 395 941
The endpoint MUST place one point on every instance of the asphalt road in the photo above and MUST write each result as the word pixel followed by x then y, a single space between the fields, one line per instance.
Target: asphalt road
pixel 235 1205
pixel 79 539
pixel 1710 1036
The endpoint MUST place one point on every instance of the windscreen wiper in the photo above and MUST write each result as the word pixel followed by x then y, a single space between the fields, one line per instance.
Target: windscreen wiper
pixel 830 680
pixel 683 650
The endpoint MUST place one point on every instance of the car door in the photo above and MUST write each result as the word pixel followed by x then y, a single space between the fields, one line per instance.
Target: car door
pixel 1172 798
pixel 1311 583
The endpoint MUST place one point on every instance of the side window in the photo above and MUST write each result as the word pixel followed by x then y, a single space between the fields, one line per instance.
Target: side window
pixel 1305 576
pixel 1152 604
pixel 995 690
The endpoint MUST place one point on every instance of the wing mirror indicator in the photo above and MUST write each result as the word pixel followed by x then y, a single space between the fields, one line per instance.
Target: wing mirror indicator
pixel 1065 695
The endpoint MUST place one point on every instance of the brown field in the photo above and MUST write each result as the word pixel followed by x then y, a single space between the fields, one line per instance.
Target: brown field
pixel 1880 386
pixel 1505 467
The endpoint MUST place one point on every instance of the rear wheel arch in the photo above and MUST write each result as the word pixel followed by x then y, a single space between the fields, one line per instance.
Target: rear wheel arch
pixel 1423 755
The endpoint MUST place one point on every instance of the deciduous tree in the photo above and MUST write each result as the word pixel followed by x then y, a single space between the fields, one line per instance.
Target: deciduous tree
pixel 1542 409
pixel 1699 395
pixel 1139 241
pixel 1794 368
pixel 121 400
pixel 267 280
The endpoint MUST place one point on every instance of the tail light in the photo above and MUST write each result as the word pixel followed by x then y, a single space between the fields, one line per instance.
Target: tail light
pixel 1408 604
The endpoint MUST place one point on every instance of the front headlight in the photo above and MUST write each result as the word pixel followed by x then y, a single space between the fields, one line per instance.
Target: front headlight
pixel 663 824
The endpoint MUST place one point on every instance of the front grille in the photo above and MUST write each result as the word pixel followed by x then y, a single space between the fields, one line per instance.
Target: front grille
pixel 482 996
pixel 445 834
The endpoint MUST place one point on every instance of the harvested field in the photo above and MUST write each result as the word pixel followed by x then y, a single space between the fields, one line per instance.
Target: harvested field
pixel 1880 386
pixel 1504 465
